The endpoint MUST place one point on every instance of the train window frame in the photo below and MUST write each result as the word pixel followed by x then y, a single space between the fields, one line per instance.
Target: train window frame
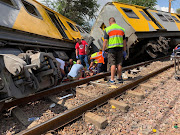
pixel 14 5
pixel 80 29
pixel 163 18
pixel 178 16
pixel 56 21
pixel 130 14
pixel 175 19
pixel 169 18
pixel 61 22
pixel 36 10
pixel 72 26
pixel 145 15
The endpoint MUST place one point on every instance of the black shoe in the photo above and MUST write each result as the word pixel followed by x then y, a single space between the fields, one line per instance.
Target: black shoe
pixel 120 80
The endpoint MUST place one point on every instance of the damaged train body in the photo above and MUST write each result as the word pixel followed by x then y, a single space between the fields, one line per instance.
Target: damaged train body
pixel 31 37
pixel 148 32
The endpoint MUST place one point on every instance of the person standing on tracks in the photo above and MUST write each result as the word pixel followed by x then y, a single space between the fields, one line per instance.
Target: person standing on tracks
pixel 114 40
pixel 81 54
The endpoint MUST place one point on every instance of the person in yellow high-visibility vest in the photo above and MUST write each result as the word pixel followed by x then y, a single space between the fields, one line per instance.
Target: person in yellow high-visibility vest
pixel 101 62
pixel 114 39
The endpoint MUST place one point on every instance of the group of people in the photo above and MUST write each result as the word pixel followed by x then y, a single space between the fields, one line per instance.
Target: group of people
pixel 114 40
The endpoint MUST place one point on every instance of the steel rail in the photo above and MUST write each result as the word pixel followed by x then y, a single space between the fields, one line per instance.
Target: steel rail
pixel 33 97
pixel 75 113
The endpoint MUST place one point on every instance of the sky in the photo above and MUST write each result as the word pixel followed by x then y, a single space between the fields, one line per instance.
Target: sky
pixel 161 4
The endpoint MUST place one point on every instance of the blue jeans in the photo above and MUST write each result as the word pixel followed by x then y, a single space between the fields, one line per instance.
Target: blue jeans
pixel 84 58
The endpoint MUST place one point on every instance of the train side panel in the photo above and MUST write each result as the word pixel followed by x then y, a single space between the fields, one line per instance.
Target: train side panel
pixel 40 24
pixel 97 31
pixel 135 17
pixel 164 19
pixel 177 20
pixel 71 27
pixel 9 13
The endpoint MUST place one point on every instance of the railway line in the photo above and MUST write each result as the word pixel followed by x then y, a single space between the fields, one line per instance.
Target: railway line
pixel 10 102
pixel 95 92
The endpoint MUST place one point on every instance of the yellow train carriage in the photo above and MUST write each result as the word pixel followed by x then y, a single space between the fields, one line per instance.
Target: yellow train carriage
pixel 33 17
pixel 148 32
pixel 136 17
pixel 32 36
pixel 32 25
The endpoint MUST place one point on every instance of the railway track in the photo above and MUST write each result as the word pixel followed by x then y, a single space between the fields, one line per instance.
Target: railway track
pixel 7 103
pixel 76 112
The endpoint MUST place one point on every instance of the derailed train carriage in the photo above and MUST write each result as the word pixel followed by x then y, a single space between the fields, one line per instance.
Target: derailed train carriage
pixel 148 32
pixel 31 36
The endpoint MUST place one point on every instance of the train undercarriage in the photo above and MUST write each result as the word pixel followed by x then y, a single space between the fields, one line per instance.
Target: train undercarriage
pixel 28 63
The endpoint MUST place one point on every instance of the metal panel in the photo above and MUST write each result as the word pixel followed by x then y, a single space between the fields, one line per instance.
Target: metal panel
pixel 170 26
pixel 8 14
pixel 109 11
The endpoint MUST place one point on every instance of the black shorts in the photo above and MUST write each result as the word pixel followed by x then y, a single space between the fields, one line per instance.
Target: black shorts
pixel 115 58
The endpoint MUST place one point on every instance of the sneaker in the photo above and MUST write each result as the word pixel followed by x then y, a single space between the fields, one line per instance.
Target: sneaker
pixel 111 82
pixel 120 80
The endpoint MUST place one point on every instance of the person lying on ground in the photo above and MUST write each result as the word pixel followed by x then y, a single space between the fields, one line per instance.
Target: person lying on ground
pixel 93 68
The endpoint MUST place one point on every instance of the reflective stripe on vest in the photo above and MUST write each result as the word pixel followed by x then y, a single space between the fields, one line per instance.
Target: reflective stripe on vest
pixel 116 34
pixel 98 56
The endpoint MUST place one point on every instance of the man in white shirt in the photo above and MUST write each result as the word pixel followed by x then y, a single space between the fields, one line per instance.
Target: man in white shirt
pixel 62 64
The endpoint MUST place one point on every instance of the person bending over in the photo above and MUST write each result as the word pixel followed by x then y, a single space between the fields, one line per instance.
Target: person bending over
pixel 76 71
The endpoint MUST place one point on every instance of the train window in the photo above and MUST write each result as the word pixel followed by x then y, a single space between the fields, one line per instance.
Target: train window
pixel 162 17
pixel 55 19
pixel 80 29
pixel 72 26
pixel 103 26
pixel 169 18
pixel 145 16
pixel 8 2
pixel 62 23
pixel 175 19
pixel 31 8
pixel 178 16
pixel 130 13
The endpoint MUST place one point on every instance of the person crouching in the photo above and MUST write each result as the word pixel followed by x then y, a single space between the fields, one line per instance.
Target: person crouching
pixel 76 71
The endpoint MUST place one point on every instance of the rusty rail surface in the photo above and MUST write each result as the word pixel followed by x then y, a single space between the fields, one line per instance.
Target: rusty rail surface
pixel 77 112
pixel 5 104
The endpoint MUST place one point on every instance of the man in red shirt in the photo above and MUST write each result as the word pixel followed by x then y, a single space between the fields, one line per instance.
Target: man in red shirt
pixel 81 54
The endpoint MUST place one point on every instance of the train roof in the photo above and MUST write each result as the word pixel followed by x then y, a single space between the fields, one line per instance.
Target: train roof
pixel 54 11
pixel 137 6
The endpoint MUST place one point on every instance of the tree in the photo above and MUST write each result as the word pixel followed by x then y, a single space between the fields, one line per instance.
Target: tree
pixel 178 10
pixel 145 3
pixel 79 11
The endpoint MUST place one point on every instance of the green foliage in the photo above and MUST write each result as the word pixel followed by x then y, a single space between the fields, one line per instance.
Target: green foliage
pixel 145 3
pixel 79 11
pixel 178 10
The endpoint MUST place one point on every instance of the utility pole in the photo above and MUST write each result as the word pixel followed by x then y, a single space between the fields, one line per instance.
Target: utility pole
pixel 170 5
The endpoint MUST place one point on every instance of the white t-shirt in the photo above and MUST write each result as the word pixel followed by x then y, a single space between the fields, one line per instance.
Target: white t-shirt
pixel 61 62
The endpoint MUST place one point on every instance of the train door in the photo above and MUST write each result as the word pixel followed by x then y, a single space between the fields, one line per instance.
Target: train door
pixel 56 22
